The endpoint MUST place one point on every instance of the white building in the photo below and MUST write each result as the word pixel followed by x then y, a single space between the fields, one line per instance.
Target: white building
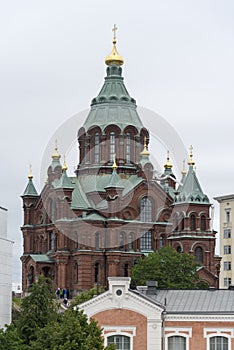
pixel 6 247
pixel 226 240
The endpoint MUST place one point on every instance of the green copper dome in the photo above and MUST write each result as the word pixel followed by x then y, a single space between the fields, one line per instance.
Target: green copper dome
pixel 113 105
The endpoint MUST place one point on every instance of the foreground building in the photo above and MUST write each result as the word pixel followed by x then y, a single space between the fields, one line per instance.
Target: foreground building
pixel 82 229
pixel 151 319
pixel 6 248
pixel 226 240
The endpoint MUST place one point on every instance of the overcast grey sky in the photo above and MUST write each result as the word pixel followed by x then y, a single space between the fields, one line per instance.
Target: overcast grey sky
pixel 179 58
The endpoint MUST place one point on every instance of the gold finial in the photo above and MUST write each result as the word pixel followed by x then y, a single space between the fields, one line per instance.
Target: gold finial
pixel 30 176
pixel 183 172
pixel 114 58
pixel 56 155
pixel 114 166
pixel 168 164
pixel 191 161
pixel 145 151
pixel 64 167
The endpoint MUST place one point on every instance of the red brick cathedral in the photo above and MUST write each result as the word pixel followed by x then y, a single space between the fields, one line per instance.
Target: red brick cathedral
pixel 84 228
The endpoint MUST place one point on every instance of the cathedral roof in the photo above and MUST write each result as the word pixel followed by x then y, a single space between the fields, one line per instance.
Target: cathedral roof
pixel 190 190
pixel 30 189
pixel 113 105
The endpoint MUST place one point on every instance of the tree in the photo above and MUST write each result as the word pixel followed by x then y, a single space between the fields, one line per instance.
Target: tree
pixel 73 331
pixel 169 268
pixel 40 325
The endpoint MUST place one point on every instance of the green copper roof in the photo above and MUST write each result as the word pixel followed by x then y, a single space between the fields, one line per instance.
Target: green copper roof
pixel 113 105
pixel 190 191
pixel 30 190
pixel 63 182
pixel 42 258
pixel 114 180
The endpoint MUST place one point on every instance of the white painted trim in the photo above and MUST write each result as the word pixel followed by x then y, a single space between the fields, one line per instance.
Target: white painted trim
pixel 118 331
pixel 218 332
pixel 198 318
pixel 176 331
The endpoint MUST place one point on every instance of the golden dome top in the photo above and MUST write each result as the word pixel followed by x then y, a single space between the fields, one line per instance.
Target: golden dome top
pixel 114 58
pixel 168 164
pixel 30 175
pixel 114 165
pixel 145 152
pixel 56 155
pixel 64 167
pixel 191 161
pixel 183 172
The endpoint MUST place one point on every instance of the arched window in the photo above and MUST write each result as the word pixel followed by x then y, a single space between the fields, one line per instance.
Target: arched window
pixel 203 223
pixel 97 241
pixel 146 241
pixel 96 147
pixel 51 240
pixel 193 225
pixel 76 271
pixel 121 241
pixel 218 343
pixel 112 146
pixel 176 343
pixel 125 270
pixel 122 342
pixel 128 147
pixel 199 255
pixel 182 223
pixel 178 249
pixel 96 272
pixel 52 209
pixel 161 242
pixel 176 222
pixel 130 241
pixel 146 210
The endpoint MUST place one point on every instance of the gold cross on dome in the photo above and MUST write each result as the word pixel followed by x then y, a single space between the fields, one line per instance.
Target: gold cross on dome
pixel 114 30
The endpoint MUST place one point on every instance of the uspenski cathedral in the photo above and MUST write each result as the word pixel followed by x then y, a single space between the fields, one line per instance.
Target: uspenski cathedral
pixel 81 229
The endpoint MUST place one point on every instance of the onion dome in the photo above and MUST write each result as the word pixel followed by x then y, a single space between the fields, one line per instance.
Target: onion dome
pixel 114 58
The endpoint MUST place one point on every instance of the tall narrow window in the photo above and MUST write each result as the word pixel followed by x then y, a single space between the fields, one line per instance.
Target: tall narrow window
pixel 193 222
pixel 146 210
pixel 96 147
pixel 218 343
pixel 76 271
pixel 176 343
pixel 146 241
pixel 199 255
pixel 203 223
pixel 121 241
pixel 51 240
pixel 96 272
pixel 176 222
pixel 130 241
pixel 228 215
pixel 227 265
pixel 97 241
pixel 128 148
pixel 112 146
pixel 125 270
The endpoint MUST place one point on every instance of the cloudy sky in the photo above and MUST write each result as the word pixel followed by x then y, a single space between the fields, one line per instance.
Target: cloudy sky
pixel 179 63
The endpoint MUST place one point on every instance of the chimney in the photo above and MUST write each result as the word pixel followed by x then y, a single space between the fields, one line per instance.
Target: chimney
pixel 152 287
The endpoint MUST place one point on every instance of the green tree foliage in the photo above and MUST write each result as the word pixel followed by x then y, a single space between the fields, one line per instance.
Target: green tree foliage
pixel 87 295
pixel 169 268
pixel 73 331
pixel 40 326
